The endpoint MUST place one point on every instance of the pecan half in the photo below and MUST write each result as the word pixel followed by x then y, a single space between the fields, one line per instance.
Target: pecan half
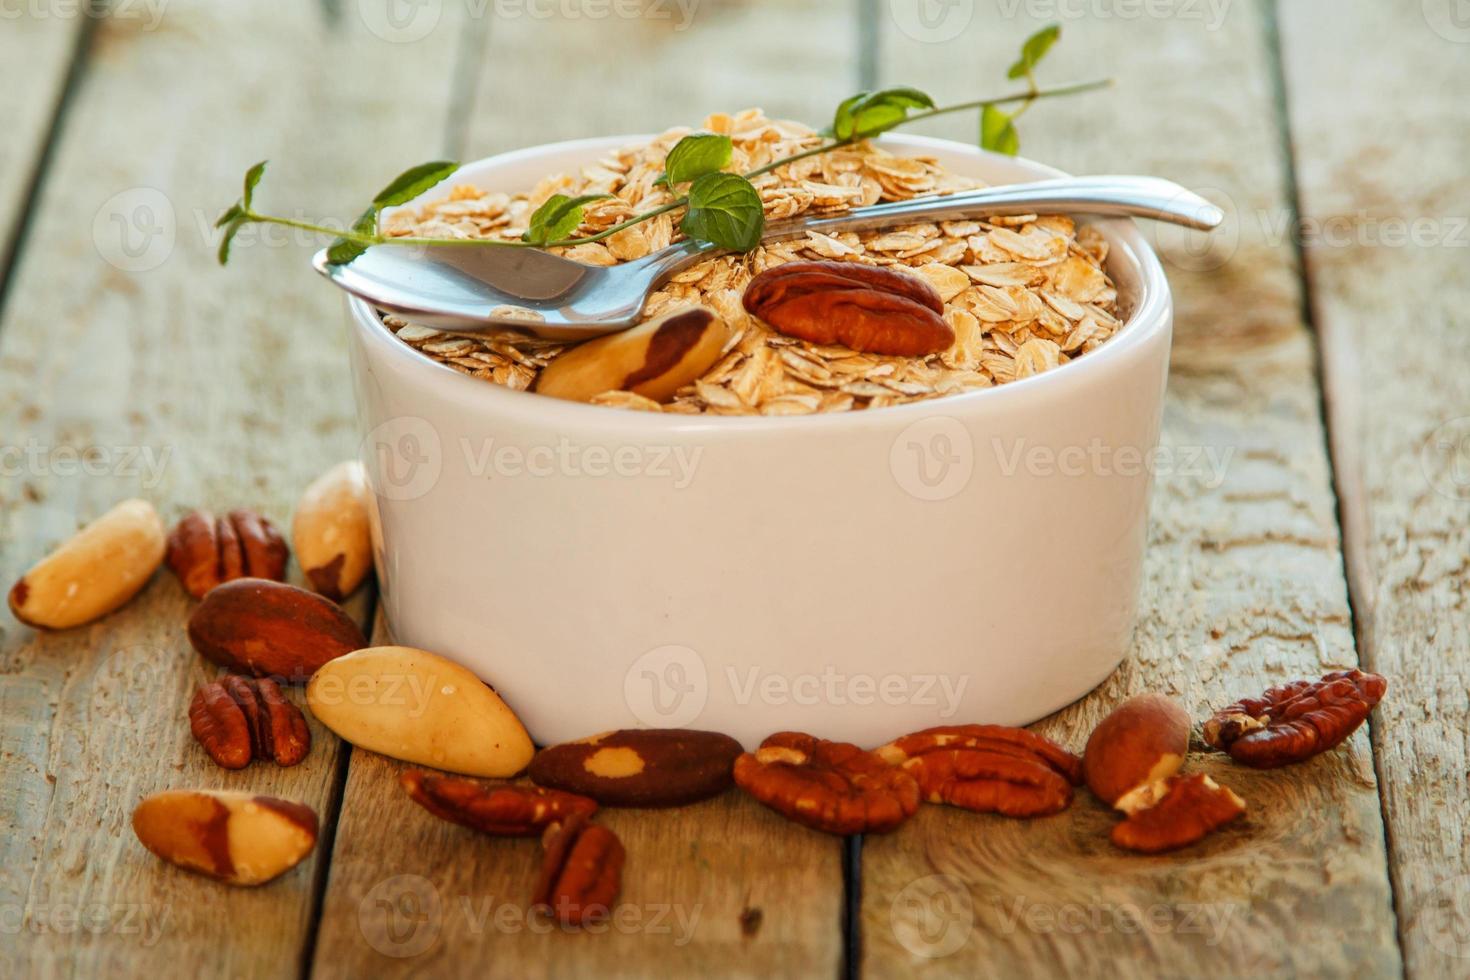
pixel 238 719
pixel 1191 808
pixel 988 768
pixel 204 551
pixel 581 873
pixel 834 787
pixel 504 810
pixel 865 307
pixel 1295 721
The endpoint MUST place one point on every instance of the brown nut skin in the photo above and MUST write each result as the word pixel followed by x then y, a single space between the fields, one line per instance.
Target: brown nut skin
pixel 96 571
pixel 654 359
pixel 238 719
pixel 1142 741
pixel 237 838
pixel 204 550
pixel 271 629
pixel 988 768
pixel 834 787
pixel 866 308
pixel 640 767
pixel 1293 722
pixel 1190 808
pixel 505 810
pixel 582 871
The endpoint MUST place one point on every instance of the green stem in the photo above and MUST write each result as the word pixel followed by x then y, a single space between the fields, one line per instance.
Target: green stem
pixel 1027 98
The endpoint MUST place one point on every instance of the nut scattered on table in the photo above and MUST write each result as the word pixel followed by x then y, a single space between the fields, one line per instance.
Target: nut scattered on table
pixel 330 531
pixel 640 767
pixel 834 787
pixel 870 309
pixel 271 629
pixel 581 873
pixel 1132 751
pixel 421 708
pixel 988 768
pixel 505 810
pixel 94 572
pixel 1295 721
pixel 1188 809
pixel 238 838
pixel 204 550
pixel 653 360
pixel 238 719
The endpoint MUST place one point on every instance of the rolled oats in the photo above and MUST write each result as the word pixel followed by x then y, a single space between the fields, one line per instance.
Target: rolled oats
pixel 1024 293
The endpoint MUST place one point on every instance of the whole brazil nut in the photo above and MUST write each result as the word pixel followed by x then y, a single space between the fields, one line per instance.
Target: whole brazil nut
pixel 865 307
pixel 648 767
pixel 1134 749
pixel 238 838
pixel 419 707
pixel 330 531
pixel 96 571
pixel 204 550
pixel 654 359
pixel 270 629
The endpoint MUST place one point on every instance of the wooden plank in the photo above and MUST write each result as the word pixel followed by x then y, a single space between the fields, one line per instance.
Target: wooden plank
pixel 723 888
pixel 1243 586
pixel 35 55
pixel 187 385
pixel 1384 229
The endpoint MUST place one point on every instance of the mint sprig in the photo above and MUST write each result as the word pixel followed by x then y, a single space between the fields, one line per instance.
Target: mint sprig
pixel 721 208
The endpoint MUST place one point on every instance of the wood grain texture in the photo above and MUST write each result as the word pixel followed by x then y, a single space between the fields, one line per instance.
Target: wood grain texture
pixel 1243 585
pixel 721 888
pixel 35 55
pixel 188 385
pixel 1385 200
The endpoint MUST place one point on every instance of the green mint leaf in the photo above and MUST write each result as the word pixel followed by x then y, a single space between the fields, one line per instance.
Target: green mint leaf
pixel 235 211
pixel 344 250
pixel 557 218
pixel 234 225
pixel 252 177
pixel 998 132
pixel 413 182
pixel 870 113
pixel 1034 49
pixel 726 210
pixel 694 156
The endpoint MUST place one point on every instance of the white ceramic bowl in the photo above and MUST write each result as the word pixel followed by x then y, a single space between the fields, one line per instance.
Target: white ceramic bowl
pixel 973 558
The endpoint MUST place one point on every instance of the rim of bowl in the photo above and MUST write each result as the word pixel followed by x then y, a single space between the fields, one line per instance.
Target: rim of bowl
pixel 1151 316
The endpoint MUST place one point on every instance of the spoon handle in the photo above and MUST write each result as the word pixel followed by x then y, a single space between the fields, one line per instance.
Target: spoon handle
pixel 1139 197
pixel 1120 196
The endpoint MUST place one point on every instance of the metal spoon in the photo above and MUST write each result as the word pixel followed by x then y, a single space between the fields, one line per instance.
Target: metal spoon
pixel 473 288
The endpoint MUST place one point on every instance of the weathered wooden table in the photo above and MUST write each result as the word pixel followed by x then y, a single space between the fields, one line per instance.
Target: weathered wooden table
pixel 1321 356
